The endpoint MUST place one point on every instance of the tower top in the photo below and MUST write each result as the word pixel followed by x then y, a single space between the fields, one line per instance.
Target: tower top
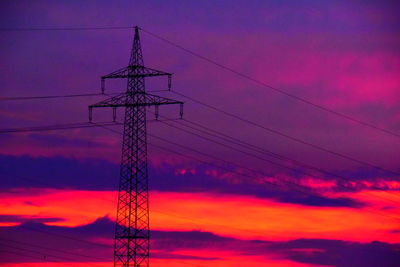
pixel 136 58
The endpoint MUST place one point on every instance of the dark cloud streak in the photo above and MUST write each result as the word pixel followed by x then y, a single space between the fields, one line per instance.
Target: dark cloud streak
pixel 165 243
pixel 91 174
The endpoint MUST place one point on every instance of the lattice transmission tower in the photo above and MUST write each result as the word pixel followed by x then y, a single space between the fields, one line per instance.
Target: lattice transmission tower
pixel 132 232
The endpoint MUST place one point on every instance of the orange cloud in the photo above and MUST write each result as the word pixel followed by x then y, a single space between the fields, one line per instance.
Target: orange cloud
pixel 223 259
pixel 237 216
pixel 237 261
pixel 76 207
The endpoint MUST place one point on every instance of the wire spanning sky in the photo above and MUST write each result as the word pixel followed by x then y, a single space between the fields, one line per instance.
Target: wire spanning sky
pixel 251 176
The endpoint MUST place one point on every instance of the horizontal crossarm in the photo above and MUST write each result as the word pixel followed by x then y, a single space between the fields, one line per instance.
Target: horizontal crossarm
pixel 135 100
pixel 135 71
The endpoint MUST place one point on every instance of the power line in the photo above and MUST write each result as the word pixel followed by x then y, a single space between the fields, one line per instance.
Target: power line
pixel 78 239
pixel 13 98
pixel 269 153
pixel 300 187
pixel 293 96
pixel 47 254
pixel 232 148
pixel 183 155
pixel 304 192
pixel 241 174
pixel 54 249
pixel 255 156
pixel 173 215
pixel 71 127
pixel 235 172
pixel 63 251
pixel 102 125
pixel 63 236
pixel 232 115
pixel 68 126
pixel 245 76
pixel 56 127
pixel 21 254
pixel 225 161
pixel 13 29
pixel 287 136
pixel 85 125
pixel 16 98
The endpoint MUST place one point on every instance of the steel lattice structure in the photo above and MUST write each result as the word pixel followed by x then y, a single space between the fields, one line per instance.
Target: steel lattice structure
pixel 132 232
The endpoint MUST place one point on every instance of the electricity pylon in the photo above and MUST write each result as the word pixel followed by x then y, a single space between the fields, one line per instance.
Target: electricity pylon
pixel 132 232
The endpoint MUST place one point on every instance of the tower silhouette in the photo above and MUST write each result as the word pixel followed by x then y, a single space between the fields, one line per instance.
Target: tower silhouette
pixel 132 231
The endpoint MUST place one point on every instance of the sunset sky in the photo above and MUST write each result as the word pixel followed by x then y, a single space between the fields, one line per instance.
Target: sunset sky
pixel 286 184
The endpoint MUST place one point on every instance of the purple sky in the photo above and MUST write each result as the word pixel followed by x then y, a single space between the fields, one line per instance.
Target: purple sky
pixel 341 55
